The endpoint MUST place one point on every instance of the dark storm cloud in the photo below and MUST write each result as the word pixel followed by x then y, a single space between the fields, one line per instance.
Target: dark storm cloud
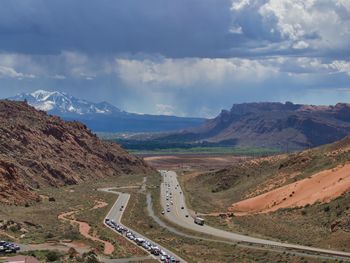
pixel 171 28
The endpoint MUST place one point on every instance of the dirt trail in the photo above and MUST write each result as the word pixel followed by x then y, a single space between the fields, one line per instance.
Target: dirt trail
pixel 323 187
pixel 84 228
pixel 8 235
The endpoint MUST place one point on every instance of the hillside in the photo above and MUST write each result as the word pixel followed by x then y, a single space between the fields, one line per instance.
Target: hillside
pixel 300 198
pixel 37 149
pixel 103 116
pixel 259 176
pixel 284 126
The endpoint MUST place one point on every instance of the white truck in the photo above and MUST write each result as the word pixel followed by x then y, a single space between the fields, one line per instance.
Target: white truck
pixel 199 221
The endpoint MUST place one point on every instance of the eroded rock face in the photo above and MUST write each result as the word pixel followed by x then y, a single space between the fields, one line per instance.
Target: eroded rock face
pixel 37 149
pixel 283 126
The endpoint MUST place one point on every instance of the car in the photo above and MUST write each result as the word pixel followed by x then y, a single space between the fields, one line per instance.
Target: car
pixel 121 209
pixel 9 250
pixel 172 259
pixel 145 246
pixel 163 212
pixel 186 215
pixel 8 247
pixel 162 258
pixel 13 246
pixel 155 250
pixel 182 207
pixel 171 202
pixel 139 241
pixel 168 209
pixel 167 204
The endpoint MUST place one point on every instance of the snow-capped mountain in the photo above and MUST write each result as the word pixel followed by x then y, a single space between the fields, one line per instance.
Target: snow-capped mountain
pixel 103 116
pixel 62 104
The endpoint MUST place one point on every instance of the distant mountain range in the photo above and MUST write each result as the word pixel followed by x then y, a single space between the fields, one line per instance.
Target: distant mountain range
pixel 103 116
pixel 285 126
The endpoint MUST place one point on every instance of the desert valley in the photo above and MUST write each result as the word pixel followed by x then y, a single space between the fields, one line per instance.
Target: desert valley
pixel 175 131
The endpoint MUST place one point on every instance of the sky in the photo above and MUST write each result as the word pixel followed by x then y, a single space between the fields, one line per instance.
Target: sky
pixel 183 57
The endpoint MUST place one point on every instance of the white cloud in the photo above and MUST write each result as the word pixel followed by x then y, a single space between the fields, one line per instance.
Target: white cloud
pixel 239 4
pixel 165 109
pixel 61 66
pixel 8 72
pixel 323 25
pixel 192 71
pixel 300 45
pixel 319 21
pixel 236 30
pixel 341 66
pixel 58 76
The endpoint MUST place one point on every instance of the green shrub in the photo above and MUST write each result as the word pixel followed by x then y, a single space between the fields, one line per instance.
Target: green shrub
pixel 53 256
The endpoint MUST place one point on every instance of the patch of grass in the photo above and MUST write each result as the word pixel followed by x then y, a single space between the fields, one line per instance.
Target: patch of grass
pixel 46 255
pixel 239 151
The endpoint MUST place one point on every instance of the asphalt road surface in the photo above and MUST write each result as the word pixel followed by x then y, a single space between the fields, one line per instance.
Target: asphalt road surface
pixel 173 200
pixel 116 214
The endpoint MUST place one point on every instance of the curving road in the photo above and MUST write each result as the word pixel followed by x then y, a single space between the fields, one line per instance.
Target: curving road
pixel 171 190
pixel 116 214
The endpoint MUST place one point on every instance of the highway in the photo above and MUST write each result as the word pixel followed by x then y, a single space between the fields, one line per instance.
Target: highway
pixel 171 190
pixel 116 214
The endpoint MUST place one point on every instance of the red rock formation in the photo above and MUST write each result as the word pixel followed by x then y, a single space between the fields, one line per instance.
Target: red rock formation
pixel 37 149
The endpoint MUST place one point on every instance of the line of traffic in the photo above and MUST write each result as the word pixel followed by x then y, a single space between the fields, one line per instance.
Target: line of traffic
pixel 113 221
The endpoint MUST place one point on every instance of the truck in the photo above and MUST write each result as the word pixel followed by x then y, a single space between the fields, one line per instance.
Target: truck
pixel 199 221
